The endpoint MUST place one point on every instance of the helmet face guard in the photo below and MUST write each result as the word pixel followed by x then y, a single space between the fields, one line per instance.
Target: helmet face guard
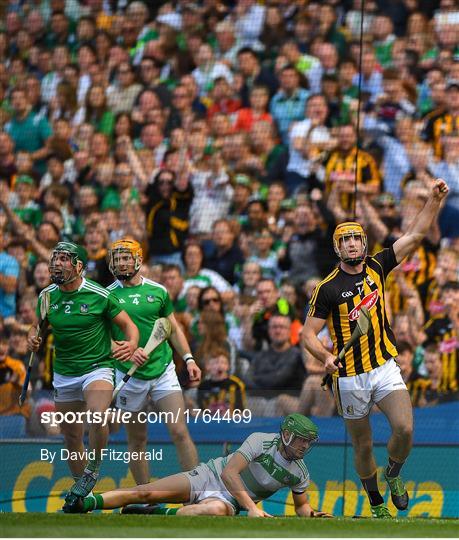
pixel 120 247
pixel 76 254
pixel 343 233
pixel 301 428
pixel 289 443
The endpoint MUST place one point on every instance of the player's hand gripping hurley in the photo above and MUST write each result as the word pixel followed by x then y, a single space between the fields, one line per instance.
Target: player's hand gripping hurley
pixel 161 331
pixel 362 329
pixel 44 308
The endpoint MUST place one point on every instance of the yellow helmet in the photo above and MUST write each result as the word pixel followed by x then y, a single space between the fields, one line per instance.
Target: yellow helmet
pixel 125 245
pixel 349 229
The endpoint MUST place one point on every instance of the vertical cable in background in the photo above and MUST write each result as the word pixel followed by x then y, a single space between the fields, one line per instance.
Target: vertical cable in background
pixel 359 101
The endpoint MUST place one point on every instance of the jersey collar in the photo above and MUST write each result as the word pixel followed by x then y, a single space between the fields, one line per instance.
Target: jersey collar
pixel 83 281
pixel 120 283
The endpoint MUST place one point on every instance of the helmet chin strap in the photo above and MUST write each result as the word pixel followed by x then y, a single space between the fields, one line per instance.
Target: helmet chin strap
pixel 286 444
pixel 127 277
pixel 353 262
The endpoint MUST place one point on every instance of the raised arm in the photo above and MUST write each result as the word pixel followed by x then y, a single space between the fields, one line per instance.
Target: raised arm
pixel 134 161
pixel 26 232
pixel 422 223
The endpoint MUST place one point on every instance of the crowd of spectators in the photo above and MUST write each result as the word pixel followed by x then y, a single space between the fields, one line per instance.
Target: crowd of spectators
pixel 222 135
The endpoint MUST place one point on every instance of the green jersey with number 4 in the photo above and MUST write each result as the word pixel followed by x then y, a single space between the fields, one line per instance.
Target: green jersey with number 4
pixel 144 303
pixel 81 322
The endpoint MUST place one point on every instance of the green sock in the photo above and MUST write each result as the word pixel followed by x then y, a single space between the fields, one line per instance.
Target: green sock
pixel 99 502
pixel 89 503
pixel 166 511
pixel 93 502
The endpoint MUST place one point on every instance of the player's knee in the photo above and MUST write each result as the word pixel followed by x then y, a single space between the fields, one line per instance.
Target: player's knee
pixel 213 508
pixel 219 508
pixel 179 433
pixel 145 497
pixel 137 442
pixel 363 446
pixel 98 408
pixel 72 437
pixel 403 431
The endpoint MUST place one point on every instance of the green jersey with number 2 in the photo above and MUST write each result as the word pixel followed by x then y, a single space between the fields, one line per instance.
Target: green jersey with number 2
pixel 81 322
pixel 144 303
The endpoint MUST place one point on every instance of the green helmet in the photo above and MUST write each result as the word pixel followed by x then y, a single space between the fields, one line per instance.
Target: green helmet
pixel 76 253
pixel 301 426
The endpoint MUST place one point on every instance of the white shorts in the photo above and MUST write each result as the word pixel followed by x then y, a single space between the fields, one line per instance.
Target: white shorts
pixel 205 485
pixel 356 395
pixel 133 396
pixel 71 388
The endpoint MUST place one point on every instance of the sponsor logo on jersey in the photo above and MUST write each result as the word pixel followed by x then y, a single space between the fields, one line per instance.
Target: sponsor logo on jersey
pixel 448 345
pixel 68 303
pixel 436 307
pixel 84 308
pixel 134 295
pixel 150 298
pixel 369 301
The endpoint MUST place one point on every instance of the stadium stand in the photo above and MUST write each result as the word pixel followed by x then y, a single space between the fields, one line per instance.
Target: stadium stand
pixel 223 136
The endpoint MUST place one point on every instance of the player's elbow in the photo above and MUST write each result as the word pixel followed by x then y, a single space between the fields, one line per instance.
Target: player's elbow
pixel 227 476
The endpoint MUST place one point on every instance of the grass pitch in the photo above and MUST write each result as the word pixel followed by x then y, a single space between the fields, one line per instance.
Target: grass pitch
pixel 115 525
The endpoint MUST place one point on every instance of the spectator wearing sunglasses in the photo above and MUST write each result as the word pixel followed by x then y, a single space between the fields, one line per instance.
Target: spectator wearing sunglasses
pixel 211 309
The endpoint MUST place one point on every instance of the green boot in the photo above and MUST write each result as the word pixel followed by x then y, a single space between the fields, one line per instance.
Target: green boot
pixel 398 492
pixel 380 511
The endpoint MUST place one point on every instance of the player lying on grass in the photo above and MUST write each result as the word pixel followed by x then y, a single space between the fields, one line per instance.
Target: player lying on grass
pixel 264 464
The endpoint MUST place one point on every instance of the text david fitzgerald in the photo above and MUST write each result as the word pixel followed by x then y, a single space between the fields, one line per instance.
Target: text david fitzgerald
pixel 108 454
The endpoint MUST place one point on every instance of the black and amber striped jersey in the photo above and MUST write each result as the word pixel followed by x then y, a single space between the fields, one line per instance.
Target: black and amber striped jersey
pixel 225 395
pixel 340 166
pixel 396 302
pixel 417 386
pixel 438 125
pixel 419 268
pixel 441 330
pixel 424 394
pixel 339 298
pixel 434 306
